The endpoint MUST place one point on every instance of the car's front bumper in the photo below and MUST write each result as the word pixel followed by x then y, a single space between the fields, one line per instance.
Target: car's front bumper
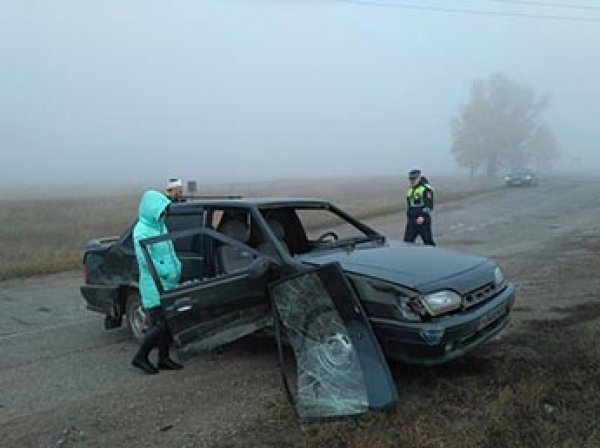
pixel 448 337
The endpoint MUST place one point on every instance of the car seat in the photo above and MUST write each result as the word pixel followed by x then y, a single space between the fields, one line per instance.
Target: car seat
pixel 228 258
pixel 279 231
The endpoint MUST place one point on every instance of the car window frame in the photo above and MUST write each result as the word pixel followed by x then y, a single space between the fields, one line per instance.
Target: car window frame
pixel 193 232
pixel 368 231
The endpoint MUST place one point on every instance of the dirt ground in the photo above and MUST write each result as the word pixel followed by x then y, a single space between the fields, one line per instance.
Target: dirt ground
pixel 65 382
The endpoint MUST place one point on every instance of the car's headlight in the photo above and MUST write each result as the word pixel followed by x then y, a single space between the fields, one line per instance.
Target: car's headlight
pixel 441 302
pixel 386 300
pixel 498 276
pixel 528 177
pixel 507 178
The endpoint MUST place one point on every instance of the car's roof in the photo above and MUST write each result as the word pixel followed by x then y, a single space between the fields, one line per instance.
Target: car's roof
pixel 251 202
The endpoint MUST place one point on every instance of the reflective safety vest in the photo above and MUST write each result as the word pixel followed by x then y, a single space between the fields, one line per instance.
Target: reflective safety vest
pixel 416 195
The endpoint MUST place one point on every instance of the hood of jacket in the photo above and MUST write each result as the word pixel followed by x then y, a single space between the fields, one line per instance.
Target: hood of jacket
pixel 152 205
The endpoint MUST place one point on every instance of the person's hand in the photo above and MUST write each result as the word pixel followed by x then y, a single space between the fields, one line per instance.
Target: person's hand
pixel 420 220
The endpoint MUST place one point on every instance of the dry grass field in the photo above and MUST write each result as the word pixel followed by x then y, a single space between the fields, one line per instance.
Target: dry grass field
pixel 39 236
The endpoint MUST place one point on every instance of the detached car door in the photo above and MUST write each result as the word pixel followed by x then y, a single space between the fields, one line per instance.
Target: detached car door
pixel 340 368
pixel 209 312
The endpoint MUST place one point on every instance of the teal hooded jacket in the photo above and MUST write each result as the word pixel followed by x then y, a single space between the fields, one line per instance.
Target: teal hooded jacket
pixel 168 266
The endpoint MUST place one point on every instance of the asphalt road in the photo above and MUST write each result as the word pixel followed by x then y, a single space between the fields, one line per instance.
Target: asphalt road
pixel 65 381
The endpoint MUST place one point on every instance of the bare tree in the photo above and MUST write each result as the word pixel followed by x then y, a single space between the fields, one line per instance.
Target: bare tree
pixel 500 126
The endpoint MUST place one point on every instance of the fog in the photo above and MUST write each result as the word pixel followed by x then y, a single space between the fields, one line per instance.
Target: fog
pixel 133 92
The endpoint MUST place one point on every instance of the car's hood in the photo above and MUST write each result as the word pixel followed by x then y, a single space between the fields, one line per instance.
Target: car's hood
pixel 423 268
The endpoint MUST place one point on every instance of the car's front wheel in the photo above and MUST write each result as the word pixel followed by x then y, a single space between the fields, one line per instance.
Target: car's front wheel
pixel 137 320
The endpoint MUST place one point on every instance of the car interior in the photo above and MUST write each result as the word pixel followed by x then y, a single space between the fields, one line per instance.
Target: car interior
pixel 228 259
pixel 204 257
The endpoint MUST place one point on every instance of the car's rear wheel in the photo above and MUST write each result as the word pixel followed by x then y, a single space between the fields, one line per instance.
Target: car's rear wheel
pixel 137 320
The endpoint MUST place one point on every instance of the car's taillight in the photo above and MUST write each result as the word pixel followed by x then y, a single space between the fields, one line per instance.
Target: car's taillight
pixel 85 274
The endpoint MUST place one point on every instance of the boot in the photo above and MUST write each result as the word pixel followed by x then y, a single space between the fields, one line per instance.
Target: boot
pixel 164 360
pixel 140 360
pixel 144 365
pixel 166 363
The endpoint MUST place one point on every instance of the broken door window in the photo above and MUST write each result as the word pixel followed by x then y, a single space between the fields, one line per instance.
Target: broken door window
pixel 340 369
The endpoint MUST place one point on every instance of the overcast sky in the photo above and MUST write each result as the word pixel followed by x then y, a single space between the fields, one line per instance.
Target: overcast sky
pixel 132 92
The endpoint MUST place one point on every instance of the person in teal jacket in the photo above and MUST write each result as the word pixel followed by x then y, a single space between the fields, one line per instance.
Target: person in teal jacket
pixel 151 223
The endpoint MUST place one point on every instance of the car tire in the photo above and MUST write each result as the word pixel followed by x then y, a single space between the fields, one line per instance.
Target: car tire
pixel 137 320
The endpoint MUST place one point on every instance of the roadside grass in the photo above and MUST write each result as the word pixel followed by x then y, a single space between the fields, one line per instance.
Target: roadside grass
pixel 44 236
pixel 41 236
pixel 537 387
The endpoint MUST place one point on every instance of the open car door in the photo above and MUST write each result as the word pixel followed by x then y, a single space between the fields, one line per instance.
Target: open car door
pixel 207 312
pixel 340 368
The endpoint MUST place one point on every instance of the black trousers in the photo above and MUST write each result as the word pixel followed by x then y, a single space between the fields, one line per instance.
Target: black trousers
pixel 413 230
pixel 158 334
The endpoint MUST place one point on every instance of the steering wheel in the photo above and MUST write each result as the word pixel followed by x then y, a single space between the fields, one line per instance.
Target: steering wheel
pixel 323 238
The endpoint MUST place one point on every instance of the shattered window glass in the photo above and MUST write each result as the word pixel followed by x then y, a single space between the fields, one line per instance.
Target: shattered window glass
pixel 330 380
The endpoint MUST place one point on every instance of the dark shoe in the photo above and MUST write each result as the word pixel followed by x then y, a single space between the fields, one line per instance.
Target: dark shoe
pixel 167 363
pixel 145 365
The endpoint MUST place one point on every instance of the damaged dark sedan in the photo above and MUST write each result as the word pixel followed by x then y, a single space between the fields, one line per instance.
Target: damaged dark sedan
pixel 327 283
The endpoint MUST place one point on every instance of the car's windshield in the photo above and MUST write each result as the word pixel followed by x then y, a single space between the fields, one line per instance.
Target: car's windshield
pixel 306 228
pixel 519 172
pixel 317 222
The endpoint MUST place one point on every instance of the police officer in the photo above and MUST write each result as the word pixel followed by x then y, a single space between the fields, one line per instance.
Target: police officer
pixel 418 211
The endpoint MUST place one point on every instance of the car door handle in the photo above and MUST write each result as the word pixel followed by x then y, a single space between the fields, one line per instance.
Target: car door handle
pixel 183 305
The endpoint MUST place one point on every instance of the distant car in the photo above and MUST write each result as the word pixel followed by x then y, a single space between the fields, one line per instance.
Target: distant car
pixel 425 305
pixel 521 178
